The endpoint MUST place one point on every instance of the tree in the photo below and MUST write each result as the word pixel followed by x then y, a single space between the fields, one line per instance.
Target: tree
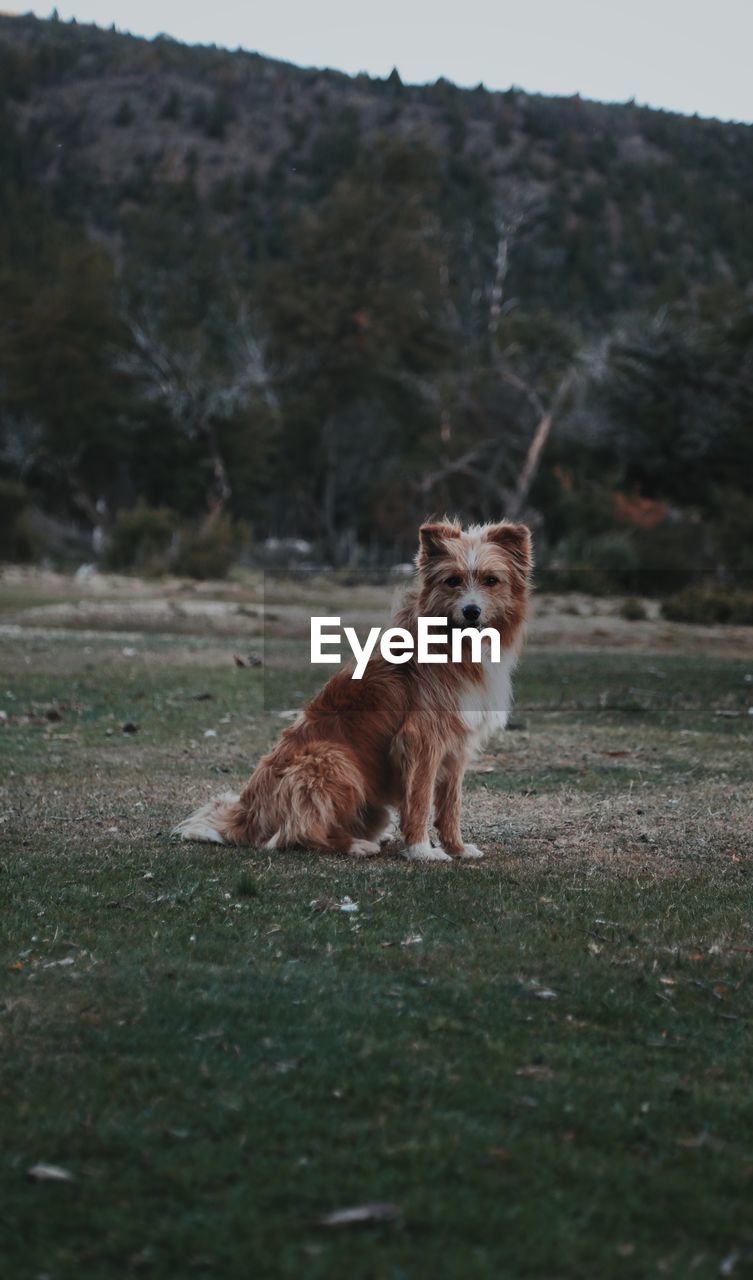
pixel 58 392
pixel 358 331
pixel 679 393
pixel 199 390
pixel 514 379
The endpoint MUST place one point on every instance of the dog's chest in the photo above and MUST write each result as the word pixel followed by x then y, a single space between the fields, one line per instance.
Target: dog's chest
pixel 485 707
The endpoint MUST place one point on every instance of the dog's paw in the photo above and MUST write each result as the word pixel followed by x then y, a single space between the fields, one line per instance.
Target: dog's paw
pixel 363 848
pixel 471 851
pixel 425 853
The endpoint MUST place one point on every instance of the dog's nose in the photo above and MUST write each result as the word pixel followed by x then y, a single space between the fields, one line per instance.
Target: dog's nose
pixel 471 613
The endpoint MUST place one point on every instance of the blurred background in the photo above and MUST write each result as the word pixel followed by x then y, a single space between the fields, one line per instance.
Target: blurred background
pixel 253 313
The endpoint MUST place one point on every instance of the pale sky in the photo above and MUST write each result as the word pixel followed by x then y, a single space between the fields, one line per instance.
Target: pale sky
pixel 684 55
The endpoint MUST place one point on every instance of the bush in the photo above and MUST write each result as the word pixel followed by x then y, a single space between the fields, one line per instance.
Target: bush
pixel 19 540
pixel 709 605
pixel 598 566
pixel 613 554
pixel 144 539
pixel 210 552
pixel 633 609
pixel 151 540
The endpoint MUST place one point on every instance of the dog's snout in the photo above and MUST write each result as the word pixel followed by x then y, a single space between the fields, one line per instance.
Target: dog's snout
pixel 471 612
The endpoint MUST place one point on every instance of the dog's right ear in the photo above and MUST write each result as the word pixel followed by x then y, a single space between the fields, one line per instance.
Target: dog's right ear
pixel 433 538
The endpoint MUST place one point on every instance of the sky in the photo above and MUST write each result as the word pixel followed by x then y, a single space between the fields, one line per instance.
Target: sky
pixel 683 55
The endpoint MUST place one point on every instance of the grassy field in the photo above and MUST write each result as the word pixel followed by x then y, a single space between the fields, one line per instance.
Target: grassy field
pixel 543 1061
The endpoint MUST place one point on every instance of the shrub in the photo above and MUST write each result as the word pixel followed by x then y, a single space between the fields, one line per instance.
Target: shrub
pixel 151 540
pixel 143 538
pixel 709 605
pixel 613 554
pixel 633 609
pixel 19 540
pixel 597 566
pixel 210 551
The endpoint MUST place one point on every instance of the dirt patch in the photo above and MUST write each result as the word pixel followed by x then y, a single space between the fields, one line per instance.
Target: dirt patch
pixel 173 617
pixel 585 622
pixel 282 607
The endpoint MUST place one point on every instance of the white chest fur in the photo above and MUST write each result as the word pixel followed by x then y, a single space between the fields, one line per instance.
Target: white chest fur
pixel 485 706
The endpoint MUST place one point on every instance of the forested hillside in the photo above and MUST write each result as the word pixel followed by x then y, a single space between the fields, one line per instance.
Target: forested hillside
pixel 235 290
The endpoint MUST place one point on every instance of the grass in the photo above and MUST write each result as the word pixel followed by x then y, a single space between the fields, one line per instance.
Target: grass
pixel 543 1060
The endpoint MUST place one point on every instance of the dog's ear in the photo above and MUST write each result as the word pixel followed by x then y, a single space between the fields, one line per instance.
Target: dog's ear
pixel 515 539
pixel 433 538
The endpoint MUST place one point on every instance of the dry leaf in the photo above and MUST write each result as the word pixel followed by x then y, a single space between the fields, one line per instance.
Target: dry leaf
pixel 381 1211
pixel 323 904
pixel 250 660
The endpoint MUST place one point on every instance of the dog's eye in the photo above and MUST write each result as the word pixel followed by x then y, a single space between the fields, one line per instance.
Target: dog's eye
pixel 490 581
pixel 454 581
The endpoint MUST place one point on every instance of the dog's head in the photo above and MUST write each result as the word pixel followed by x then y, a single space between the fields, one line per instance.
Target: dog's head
pixel 475 577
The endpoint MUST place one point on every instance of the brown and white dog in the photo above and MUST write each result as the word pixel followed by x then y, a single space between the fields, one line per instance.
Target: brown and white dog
pixel 402 735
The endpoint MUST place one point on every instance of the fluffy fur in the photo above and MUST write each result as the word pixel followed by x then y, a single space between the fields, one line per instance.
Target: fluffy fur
pixel 402 736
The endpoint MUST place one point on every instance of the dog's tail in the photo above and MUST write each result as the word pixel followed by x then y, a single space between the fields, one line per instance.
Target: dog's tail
pixel 313 798
pixel 213 823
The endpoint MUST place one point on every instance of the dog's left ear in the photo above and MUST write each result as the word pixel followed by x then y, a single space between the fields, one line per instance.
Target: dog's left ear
pixel 433 538
pixel 515 539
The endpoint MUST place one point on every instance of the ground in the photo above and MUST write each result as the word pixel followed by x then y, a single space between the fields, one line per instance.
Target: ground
pixel 543 1061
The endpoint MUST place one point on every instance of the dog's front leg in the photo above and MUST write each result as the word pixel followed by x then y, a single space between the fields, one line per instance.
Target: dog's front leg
pixel 449 792
pixel 420 762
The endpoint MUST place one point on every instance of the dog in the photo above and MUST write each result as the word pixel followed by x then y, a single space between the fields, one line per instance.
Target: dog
pixel 401 737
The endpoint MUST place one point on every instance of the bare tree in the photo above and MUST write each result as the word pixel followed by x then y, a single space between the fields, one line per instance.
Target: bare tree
pixel 504 463
pixel 506 225
pixel 199 393
pixel 546 416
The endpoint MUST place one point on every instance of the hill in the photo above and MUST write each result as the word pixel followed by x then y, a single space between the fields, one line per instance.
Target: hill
pixel 619 206
pixel 236 286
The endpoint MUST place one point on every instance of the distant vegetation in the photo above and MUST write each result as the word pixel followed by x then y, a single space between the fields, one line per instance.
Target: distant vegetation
pixel 239 299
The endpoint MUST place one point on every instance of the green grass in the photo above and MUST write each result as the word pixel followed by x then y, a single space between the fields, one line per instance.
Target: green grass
pixel 555 1081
